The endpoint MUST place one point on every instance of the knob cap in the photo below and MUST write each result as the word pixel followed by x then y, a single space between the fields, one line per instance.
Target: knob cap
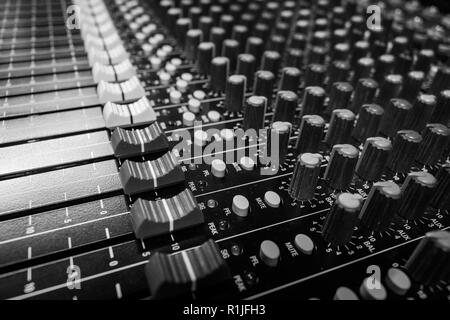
pixel 369 120
pixel 290 79
pixel 373 158
pixel 282 130
pixel 430 261
pixel 341 126
pixel 342 218
pixel 205 54
pixel 435 143
pixel 315 75
pixel 264 82
pixel 413 83
pixel 285 106
pixel 404 149
pixel 271 61
pixel 193 39
pixel 340 95
pixel 220 67
pixel 235 93
pixel 441 198
pixel 380 205
pixel 364 93
pixel 396 113
pixel 421 112
pixel 313 100
pixel 230 49
pixel 255 111
pixel 342 164
pixel 441 80
pixel 305 177
pixel 417 191
pixel 338 71
pixel 246 66
pixel 310 134
pixel 441 112
pixel 389 89
pixel 217 36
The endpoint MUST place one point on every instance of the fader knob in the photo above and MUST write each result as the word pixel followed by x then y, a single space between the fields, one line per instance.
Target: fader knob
pixel 441 198
pixel 430 261
pixel 305 177
pixel 417 191
pixel 341 220
pixel 435 143
pixel 404 149
pixel 380 206
pixel 185 271
pixel 373 158
pixel 342 164
pixel 254 114
pixel 310 134
pixel 220 67
pixel 235 93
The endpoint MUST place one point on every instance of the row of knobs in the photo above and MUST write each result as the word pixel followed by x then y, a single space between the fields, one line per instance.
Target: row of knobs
pixel 385 200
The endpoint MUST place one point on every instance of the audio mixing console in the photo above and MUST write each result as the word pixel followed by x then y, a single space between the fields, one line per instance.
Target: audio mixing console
pixel 224 149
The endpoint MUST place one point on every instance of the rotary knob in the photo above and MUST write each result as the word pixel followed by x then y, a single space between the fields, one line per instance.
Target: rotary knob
pixel 313 100
pixel 342 164
pixel 310 134
pixel 285 106
pixel 435 142
pixel 441 198
pixel 342 218
pixel 235 93
pixel 305 177
pixel 220 67
pixel 263 86
pixel 341 126
pixel 369 119
pixel 430 261
pixel 404 149
pixel 417 191
pixel 373 158
pixel 380 205
pixel 255 111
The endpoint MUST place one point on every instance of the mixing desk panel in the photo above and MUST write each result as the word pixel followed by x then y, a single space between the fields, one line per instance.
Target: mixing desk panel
pixel 224 149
